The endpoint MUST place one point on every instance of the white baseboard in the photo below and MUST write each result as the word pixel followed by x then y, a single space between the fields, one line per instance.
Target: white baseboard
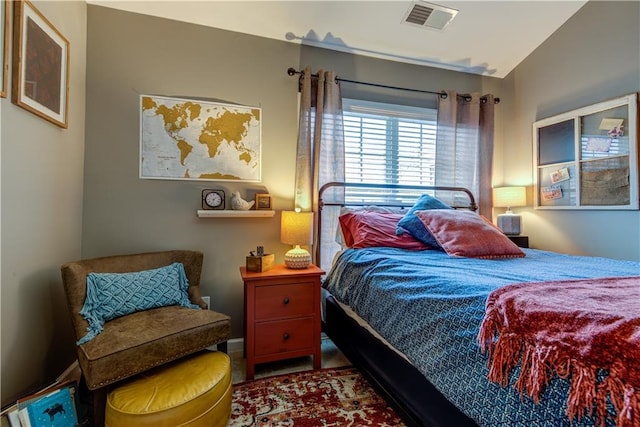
pixel 236 344
pixel 70 373
pixel 233 345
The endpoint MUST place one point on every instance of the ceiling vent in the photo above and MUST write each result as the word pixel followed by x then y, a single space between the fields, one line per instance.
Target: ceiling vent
pixel 429 15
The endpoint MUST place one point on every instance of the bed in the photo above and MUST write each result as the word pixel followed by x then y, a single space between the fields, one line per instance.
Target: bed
pixel 409 320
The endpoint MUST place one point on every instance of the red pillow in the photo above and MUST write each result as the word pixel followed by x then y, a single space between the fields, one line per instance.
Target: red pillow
pixel 467 234
pixel 363 229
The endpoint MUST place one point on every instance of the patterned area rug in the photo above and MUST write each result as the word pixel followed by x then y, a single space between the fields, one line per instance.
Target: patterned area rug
pixel 327 397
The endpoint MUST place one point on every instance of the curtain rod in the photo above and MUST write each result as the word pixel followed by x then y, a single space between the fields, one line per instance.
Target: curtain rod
pixel 442 94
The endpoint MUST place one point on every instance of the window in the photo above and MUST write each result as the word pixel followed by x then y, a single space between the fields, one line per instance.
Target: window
pixel 387 143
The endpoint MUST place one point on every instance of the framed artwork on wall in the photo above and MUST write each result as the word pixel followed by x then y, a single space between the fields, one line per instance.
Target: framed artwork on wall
pixel 588 158
pixel 40 65
pixel 4 43
pixel 198 139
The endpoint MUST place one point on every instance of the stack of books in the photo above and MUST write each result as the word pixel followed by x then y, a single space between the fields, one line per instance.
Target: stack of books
pixel 52 407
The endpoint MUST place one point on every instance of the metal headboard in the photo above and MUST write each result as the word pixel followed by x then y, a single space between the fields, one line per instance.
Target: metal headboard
pixel 418 188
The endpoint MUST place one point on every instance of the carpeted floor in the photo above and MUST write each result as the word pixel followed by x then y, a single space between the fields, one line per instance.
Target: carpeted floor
pixel 328 397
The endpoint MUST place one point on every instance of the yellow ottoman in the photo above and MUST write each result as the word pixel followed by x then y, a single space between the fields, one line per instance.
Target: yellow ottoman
pixel 194 391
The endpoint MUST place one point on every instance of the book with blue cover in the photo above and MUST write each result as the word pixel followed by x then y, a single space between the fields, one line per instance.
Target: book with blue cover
pixel 55 409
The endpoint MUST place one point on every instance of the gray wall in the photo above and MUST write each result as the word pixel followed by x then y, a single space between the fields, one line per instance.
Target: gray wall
pixel 130 54
pixel 42 167
pixel 595 56
pixel 45 201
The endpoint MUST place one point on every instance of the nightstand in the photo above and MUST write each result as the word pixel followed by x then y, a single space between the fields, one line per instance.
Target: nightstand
pixel 281 315
pixel 521 241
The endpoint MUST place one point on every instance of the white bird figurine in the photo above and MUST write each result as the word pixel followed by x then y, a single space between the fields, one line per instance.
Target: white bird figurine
pixel 239 204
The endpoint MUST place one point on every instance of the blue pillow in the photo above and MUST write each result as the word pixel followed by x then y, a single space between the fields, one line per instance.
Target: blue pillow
pixel 411 224
pixel 111 295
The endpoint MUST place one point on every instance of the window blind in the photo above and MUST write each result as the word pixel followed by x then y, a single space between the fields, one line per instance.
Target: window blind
pixel 388 143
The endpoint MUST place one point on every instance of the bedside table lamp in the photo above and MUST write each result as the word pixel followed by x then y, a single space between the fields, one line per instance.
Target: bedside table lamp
pixel 296 229
pixel 507 197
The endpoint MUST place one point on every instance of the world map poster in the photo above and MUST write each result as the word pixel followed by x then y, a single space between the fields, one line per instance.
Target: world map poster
pixel 199 140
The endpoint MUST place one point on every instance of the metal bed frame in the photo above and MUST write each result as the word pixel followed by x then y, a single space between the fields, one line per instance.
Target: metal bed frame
pixel 473 206
pixel 402 385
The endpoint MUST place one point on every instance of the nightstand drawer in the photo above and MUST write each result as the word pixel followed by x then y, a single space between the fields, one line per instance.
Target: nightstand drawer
pixel 283 336
pixel 278 301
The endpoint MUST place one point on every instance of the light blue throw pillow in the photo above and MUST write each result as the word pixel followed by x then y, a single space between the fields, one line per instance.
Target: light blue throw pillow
pixel 411 224
pixel 111 295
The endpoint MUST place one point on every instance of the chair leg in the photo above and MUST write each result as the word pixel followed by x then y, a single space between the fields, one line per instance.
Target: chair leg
pixel 222 346
pixel 99 404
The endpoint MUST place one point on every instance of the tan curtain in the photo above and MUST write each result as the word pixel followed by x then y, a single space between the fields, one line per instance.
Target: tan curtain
pixel 320 153
pixel 464 146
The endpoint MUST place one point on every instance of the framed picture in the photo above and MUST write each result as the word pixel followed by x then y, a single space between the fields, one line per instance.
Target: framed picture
pixel 214 142
pixel 263 201
pixel 40 65
pixel 587 158
pixel 4 43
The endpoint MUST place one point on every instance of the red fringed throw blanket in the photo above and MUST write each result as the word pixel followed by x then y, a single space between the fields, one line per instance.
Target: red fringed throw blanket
pixel 572 329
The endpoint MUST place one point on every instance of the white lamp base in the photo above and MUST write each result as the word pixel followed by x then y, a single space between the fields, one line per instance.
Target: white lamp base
pixel 297 258
pixel 510 224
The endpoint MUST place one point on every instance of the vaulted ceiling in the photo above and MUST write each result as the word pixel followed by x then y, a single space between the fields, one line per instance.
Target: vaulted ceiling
pixel 484 37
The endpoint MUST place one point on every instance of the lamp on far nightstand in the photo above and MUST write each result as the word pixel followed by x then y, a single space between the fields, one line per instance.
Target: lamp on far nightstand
pixel 508 197
pixel 296 228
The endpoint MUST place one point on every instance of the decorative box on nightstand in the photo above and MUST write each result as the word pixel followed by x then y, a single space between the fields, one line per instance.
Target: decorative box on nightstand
pixel 522 241
pixel 282 315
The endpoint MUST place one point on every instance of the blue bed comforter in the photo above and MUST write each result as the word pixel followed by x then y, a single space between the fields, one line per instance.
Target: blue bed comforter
pixel 430 306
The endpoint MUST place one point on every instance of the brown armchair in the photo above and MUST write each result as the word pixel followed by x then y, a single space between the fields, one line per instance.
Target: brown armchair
pixel 145 339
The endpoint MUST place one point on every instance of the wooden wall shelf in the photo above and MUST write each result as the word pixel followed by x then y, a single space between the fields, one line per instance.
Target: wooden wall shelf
pixel 202 213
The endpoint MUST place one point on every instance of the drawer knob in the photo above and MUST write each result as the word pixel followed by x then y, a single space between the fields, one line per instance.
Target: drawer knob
pixel 285 336
pixel 285 300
